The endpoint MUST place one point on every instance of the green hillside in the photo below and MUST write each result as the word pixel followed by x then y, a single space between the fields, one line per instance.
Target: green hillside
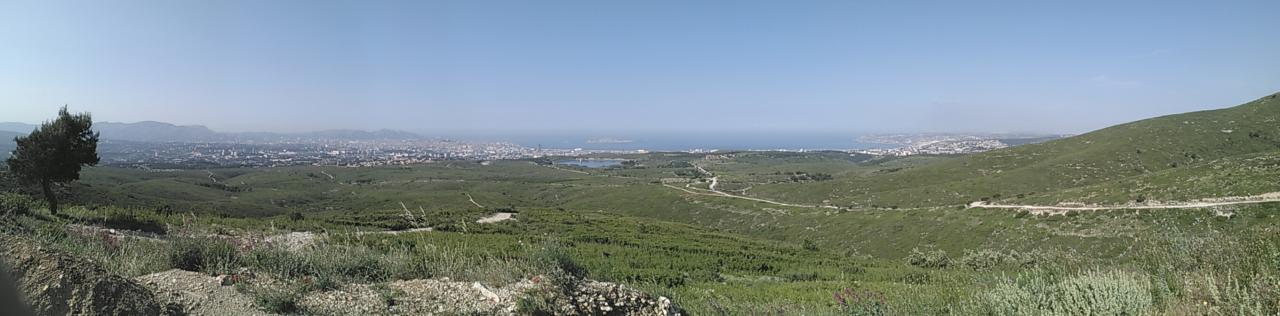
pixel 820 222
pixel 1118 152
pixel 1235 176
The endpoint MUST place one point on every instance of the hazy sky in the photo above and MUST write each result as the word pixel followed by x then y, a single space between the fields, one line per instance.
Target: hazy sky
pixel 1056 66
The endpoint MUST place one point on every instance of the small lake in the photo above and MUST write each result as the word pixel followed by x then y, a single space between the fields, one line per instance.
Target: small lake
pixel 592 163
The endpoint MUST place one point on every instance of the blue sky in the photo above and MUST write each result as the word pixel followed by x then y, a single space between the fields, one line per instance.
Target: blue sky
pixel 863 66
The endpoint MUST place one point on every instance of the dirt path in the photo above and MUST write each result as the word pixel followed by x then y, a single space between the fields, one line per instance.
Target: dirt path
pixel 473 200
pixel 715 180
pixel 1201 203
pixel 552 166
pixel 395 232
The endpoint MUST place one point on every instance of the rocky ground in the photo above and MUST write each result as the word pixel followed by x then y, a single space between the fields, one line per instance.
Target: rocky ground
pixel 55 283
pixel 417 297
pixel 198 294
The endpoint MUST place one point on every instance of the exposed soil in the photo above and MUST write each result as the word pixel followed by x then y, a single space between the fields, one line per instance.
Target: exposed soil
pixel 496 217
pixel 1200 203
pixel 417 297
pixel 198 293
pixel 55 283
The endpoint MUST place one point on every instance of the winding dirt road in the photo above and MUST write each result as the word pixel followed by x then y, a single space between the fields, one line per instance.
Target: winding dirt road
pixel 1202 203
pixel 715 180
pixel 473 200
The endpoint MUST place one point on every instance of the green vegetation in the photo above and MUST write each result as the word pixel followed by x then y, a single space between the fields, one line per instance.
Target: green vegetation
pixel 779 233
pixel 1174 256
pixel 54 152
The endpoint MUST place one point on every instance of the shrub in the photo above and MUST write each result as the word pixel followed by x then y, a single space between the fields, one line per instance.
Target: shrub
pixel 810 245
pixel 554 256
pixel 982 259
pixel 278 300
pixel 861 302
pixel 1088 293
pixel 119 218
pixel 13 203
pixel 917 278
pixel 986 259
pixel 1105 293
pixel 326 267
pixel 931 259
pixel 210 256
pixel 280 262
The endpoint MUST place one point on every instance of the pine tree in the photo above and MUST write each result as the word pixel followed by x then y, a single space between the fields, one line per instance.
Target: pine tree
pixel 54 153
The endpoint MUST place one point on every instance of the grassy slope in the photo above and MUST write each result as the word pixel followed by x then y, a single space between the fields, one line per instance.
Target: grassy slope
pixel 1113 153
pixel 715 272
pixel 1176 156
pixel 1243 175
pixel 1112 164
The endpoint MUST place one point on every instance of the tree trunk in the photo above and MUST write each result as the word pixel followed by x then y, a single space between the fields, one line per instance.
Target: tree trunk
pixel 48 197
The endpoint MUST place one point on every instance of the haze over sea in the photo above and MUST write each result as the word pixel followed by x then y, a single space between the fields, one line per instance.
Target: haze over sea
pixel 678 141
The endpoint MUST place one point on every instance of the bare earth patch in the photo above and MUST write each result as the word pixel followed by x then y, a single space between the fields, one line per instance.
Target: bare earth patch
pixel 56 283
pixel 496 217
pixel 199 294
pixel 417 297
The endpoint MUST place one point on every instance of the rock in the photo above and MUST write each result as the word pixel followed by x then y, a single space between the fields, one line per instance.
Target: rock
pixel 603 298
pixel 225 280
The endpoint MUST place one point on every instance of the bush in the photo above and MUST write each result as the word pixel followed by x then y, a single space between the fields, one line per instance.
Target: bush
pixel 930 259
pixel 279 262
pixel 326 267
pixel 210 256
pixel 810 245
pixel 1089 293
pixel 554 256
pixel 131 220
pixel 983 259
pixel 916 278
pixel 13 203
pixel 282 300
pixel 861 302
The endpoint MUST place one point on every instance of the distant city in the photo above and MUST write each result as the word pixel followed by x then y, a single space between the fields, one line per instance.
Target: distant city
pixel 160 146
pixel 947 144
pixel 320 152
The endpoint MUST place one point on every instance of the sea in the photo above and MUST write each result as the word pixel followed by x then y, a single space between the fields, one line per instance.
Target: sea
pixel 685 141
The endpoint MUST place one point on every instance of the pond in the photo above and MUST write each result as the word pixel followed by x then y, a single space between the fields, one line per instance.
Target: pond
pixel 592 163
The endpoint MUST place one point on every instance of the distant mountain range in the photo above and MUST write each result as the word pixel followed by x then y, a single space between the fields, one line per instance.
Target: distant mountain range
pixel 150 131
pixel 6 143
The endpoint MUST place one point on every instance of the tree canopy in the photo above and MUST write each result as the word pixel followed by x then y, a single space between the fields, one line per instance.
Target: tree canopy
pixel 54 152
